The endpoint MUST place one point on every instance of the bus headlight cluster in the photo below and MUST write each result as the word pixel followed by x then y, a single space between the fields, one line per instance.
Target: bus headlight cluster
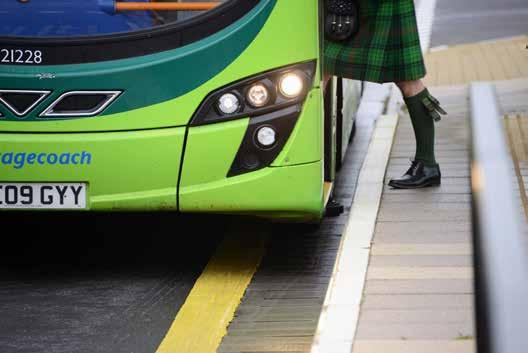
pixel 286 87
pixel 290 85
pixel 257 95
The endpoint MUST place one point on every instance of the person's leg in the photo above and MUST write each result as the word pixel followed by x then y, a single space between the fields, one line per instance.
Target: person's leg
pixel 422 123
pixel 410 88
pixel 423 110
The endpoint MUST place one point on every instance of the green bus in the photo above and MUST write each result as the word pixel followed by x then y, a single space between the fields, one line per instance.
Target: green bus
pixel 188 106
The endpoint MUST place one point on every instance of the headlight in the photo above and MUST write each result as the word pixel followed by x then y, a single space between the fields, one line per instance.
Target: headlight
pixel 291 84
pixel 228 104
pixel 257 95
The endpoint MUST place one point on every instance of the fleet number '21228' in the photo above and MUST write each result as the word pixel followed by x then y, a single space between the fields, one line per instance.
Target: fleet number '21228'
pixel 19 56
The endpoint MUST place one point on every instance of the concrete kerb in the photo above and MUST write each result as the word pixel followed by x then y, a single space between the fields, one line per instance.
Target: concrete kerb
pixel 339 317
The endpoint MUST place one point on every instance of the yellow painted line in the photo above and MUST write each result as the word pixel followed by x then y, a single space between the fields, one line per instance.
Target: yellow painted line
pixel 203 319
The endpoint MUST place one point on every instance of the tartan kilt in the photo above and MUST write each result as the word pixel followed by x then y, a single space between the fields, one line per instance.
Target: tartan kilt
pixel 386 48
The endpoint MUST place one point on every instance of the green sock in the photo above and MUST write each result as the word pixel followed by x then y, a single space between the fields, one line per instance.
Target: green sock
pixel 423 112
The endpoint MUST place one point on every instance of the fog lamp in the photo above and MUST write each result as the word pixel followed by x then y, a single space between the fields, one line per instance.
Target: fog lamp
pixel 228 103
pixel 291 85
pixel 266 136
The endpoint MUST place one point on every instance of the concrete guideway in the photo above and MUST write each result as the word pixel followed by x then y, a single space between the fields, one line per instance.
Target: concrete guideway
pixel 501 258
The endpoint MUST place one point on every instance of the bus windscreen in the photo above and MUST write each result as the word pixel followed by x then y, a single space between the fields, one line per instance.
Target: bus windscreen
pixel 74 18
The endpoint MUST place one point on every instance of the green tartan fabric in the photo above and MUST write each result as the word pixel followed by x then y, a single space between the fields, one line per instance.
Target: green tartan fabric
pixel 386 48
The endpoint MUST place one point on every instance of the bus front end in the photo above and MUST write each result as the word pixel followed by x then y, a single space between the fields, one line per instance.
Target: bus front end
pixel 103 108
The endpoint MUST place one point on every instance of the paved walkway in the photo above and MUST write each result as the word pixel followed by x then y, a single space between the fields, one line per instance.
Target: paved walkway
pixel 485 61
pixel 418 295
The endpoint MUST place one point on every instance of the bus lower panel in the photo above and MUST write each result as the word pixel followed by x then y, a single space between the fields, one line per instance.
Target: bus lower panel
pixel 276 192
pixel 132 170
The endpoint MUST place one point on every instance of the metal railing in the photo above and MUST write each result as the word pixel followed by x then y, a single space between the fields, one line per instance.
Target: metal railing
pixel 501 259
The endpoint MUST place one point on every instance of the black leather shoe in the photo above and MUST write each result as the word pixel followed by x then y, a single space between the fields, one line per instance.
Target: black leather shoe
pixel 418 176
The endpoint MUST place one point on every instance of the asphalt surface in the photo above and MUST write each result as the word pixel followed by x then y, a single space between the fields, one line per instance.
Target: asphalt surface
pixel 458 22
pixel 76 283
pixel 281 307
pixel 94 283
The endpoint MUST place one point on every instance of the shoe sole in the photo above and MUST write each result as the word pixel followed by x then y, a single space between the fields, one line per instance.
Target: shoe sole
pixel 430 184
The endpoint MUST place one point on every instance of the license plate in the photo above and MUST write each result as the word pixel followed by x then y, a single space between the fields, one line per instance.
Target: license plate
pixel 43 195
